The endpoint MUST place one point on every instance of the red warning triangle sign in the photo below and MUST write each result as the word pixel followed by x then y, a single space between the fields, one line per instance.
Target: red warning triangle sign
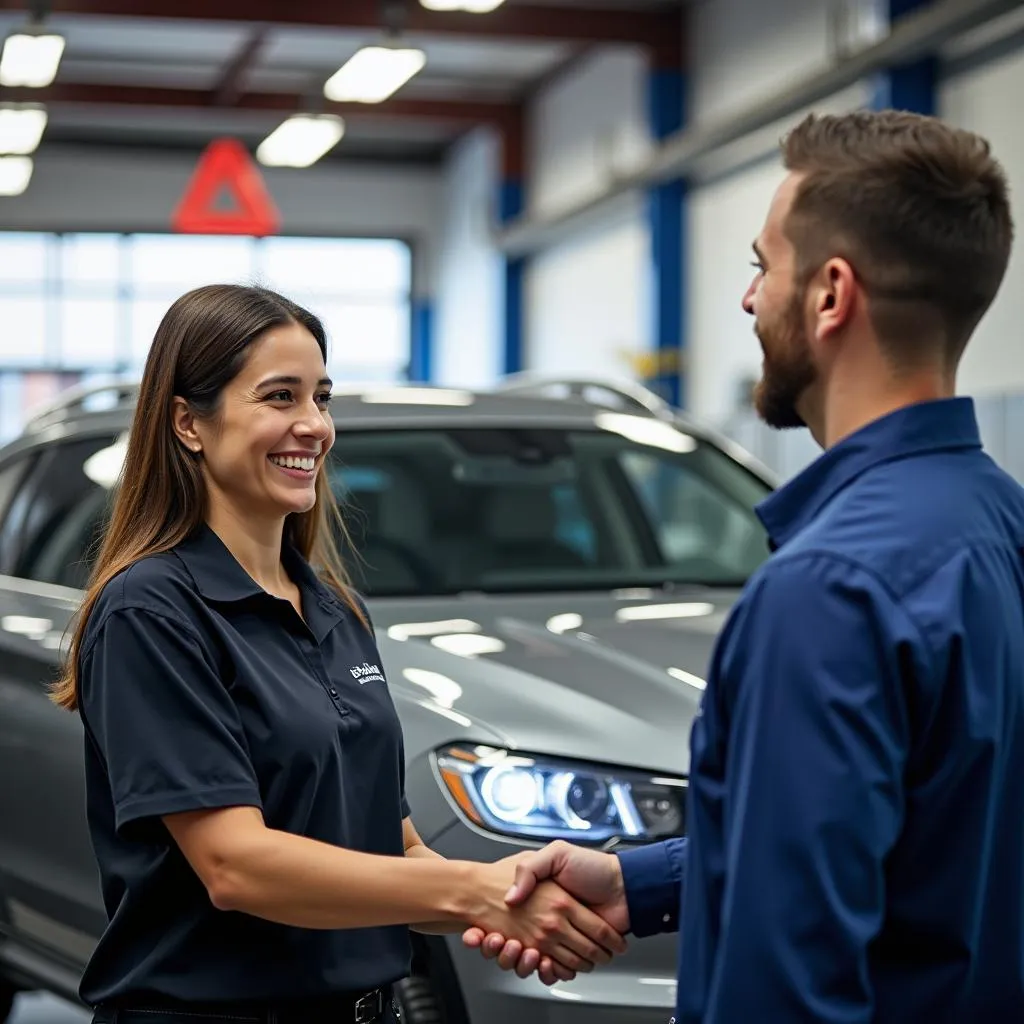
pixel 226 165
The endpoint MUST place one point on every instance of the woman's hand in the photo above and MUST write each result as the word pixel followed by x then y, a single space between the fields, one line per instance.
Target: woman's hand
pixel 548 919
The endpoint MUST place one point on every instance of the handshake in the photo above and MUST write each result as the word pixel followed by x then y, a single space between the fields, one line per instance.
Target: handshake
pixel 564 912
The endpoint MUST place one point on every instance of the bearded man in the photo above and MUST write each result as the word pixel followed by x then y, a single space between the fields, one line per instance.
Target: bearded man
pixel 855 832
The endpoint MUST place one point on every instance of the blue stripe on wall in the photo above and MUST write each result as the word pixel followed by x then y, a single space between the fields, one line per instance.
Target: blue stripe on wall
pixel 510 205
pixel 910 86
pixel 422 341
pixel 666 213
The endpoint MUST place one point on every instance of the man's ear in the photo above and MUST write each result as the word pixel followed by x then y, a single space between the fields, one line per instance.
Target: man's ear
pixel 185 425
pixel 834 294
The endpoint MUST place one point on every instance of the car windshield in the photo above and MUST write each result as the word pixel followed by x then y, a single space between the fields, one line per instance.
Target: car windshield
pixel 444 511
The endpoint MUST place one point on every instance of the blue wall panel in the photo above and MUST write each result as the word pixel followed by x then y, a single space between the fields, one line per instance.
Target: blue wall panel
pixel 910 86
pixel 666 213
pixel 510 205
pixel 422 341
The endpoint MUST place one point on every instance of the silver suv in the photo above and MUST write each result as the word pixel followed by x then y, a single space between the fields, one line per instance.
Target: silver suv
pixel 547 567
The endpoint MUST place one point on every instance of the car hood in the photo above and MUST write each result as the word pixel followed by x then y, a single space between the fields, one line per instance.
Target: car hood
pixel 610 677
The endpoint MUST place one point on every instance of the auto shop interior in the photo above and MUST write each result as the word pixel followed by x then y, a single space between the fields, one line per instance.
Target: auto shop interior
pixel 516 220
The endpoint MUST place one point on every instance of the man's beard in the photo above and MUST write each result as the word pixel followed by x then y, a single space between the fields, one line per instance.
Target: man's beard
pixel 788 370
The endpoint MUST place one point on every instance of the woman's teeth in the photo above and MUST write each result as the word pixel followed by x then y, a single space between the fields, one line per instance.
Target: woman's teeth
pixel 291 462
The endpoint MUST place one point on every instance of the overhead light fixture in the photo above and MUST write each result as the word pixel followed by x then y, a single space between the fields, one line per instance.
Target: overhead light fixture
pixel 30 58
pixel 373 73
pixel 301 140
pixel 15 174
pixel 21 128
pixel 472 6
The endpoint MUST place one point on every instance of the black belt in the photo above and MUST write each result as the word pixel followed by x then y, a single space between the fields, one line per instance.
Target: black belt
pixel 347 1008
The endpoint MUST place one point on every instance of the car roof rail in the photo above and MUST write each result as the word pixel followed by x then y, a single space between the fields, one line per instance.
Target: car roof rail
pixel 73 399
pixel 590 389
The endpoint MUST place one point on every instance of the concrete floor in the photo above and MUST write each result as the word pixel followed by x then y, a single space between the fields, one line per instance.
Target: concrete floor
pixel 40 1009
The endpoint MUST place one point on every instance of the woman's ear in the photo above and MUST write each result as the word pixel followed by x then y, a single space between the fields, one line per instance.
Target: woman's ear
pixel 185 425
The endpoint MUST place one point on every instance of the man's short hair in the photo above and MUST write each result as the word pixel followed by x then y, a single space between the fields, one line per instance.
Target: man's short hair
pixel 921 211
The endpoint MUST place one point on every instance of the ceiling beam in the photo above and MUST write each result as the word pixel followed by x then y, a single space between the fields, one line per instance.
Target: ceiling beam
pixel 229 89
pixel 647 28
pixel 273 102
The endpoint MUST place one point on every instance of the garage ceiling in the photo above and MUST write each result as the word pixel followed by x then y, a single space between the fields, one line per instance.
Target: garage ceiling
pixel 188 71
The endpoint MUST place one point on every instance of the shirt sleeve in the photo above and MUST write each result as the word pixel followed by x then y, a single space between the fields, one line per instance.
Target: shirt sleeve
pixel 653 876
pixel 812 692
pixel 162 719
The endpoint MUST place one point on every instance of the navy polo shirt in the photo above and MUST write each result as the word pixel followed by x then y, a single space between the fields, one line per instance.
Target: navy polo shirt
pixel 201 690
pixel 855 846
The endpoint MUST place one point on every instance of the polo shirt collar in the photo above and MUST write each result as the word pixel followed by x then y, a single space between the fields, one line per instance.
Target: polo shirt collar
pixel 220 578
pixel 942 425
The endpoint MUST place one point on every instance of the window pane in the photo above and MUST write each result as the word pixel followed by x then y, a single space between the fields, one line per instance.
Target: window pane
pixel 90 260
pixel 23 338
pixel 176 264
pixel 89 333
pixel 302 268
pixel 23 257
pixel 145 318
pixel 363 337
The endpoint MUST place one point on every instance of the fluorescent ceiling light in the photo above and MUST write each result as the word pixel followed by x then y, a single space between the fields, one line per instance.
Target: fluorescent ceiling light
pixel 473 6
pixel 301 140
pixel 21 128
pixel 30 59
pixel 373 74
pixel 15 174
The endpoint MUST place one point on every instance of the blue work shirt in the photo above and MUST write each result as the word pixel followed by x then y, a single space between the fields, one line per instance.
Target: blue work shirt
pixel 855 847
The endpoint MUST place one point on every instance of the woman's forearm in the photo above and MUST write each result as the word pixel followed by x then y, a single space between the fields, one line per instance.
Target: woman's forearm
pixel 423 851
pixel 301 882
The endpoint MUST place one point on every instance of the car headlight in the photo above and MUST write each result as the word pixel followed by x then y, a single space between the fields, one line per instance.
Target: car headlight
pixel 536 797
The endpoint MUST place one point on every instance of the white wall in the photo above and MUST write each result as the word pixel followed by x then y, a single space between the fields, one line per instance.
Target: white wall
pixel 587 125
pixel 585 304
pixel 741 51
pixel 987 100
pixel 470 294
pixel 725 216
pixel 74 189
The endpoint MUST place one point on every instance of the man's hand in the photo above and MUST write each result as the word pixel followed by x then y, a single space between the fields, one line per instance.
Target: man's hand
pixel 592 877
pixel 515 901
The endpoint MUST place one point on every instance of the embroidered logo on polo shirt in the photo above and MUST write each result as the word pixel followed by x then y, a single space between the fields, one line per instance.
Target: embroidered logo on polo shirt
pixel 367 673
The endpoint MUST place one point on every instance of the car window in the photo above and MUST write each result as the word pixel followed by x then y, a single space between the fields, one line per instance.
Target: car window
pixel 489 509
pixel 12 507
pixel 695 523
pixel 69 497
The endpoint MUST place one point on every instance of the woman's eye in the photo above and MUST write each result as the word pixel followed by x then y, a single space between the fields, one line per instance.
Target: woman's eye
pixel 325 397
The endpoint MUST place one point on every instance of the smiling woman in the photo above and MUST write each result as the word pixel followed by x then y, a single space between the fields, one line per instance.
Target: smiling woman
pixel 243 752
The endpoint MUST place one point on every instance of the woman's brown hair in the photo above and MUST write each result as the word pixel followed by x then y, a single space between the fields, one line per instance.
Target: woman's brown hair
pixel 202 343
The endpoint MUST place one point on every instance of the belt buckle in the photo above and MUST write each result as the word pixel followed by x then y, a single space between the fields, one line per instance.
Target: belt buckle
pixel 369 1008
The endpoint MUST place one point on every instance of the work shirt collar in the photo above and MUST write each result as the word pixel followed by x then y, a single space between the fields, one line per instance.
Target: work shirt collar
pixel 220 578
pixel 941 425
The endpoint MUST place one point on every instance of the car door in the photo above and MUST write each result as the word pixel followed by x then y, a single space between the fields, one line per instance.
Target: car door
pixel 50 903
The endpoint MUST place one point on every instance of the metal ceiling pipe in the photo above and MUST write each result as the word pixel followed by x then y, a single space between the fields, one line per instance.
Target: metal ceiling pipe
pixel 916 35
